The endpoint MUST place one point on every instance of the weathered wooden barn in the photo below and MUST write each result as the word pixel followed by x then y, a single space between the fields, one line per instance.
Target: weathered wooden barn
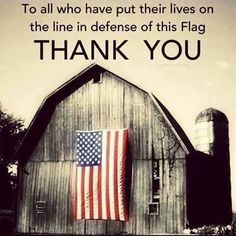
pixel 92 100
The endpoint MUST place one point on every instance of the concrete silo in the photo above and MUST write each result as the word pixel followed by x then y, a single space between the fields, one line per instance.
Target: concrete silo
pixel 212 138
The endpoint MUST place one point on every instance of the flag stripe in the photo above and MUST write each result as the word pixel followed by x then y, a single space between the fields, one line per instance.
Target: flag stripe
pixel 95 191
pixel 82 193
pixel 120 167
pixel 99 193
pixel 86 192
pixel 116 171
pixel 111 177
pixel 124 164
pixel 78 194
pixel 108 215
pixel 91 199
pixel 103 172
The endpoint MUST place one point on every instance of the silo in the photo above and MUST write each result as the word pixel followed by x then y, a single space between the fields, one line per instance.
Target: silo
pixel 211 132
pixel 212 138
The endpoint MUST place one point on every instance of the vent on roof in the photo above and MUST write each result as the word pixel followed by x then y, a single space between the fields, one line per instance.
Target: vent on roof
pixel 41 207
pixel 97 79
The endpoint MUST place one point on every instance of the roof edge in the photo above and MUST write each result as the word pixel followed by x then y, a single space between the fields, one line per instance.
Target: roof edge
pixel 48 105
pixel 174 126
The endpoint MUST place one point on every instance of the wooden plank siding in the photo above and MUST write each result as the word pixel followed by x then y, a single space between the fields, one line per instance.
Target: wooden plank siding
pixel 111 104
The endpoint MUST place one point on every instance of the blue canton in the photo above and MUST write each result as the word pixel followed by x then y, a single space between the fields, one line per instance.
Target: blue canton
pixel 89 148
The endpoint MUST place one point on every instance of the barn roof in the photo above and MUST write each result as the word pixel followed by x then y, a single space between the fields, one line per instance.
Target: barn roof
pixel 45 111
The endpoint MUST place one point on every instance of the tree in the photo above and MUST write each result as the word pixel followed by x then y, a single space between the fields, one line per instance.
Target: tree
pixel 11 133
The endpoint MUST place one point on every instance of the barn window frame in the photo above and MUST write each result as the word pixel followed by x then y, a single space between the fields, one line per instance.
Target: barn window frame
pixel 154 208
pixel 154 205
pixel 155 180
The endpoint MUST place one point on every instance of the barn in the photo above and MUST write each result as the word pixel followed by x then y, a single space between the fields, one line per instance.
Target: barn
pixel 158 150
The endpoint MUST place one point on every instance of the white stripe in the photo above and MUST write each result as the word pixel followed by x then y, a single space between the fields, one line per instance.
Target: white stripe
pixel 78 188
pixel 86 193
pixel 119 174
pixel 111 175
pixel 95 192
pixel 99 130
pixel 103 173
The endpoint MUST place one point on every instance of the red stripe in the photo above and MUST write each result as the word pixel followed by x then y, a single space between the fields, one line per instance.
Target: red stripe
pixel 99 193
pixel 82 193
pixel 91 192
pixel 116 204
pixel 107 176
pixel 124 172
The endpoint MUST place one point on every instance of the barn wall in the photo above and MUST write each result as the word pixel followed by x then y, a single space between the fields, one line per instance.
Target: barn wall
pixel 111 104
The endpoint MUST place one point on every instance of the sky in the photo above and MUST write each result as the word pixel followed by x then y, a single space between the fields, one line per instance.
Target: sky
pixel 186 87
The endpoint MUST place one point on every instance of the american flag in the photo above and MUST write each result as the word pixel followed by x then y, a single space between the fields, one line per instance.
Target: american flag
pixel 101 184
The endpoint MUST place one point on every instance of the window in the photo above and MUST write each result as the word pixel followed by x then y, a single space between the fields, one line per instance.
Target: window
pixel 155 181
pixel 155 201
pixel 154 208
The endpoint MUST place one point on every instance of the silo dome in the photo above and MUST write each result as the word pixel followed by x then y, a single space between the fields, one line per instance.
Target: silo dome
pixel 211 114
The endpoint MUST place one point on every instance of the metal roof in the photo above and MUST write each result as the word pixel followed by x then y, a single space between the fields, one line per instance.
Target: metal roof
pixel 45 111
